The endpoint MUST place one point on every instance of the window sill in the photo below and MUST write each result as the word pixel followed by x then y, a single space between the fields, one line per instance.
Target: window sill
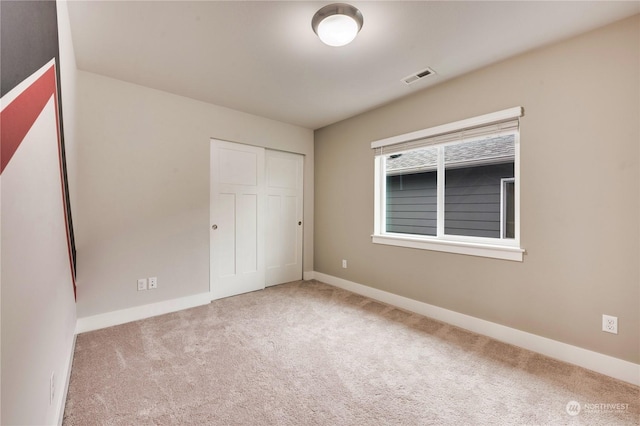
pixel 471 249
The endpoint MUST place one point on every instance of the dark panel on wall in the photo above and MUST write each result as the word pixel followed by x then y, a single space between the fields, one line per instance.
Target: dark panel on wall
pixel 28 41
pixel 28 37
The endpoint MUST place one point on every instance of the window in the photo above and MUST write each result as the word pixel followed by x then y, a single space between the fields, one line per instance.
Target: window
pixel 452 188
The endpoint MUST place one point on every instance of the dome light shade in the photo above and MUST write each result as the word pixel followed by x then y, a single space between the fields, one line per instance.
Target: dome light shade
pixel 337 24
pixel 337 30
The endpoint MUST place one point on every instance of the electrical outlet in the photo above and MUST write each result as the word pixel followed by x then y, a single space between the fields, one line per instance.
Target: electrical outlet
pixel 52 387
pixel 610 324
pixel 142 284
pixel 344 263
pixel 153 283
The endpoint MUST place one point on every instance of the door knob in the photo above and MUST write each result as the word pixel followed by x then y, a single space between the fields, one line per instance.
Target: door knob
pixel 214 227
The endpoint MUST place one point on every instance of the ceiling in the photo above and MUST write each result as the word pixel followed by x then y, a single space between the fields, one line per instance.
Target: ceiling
pixel 263 57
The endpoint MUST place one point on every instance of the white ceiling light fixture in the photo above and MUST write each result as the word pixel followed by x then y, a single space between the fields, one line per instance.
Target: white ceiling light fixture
pixel 337 24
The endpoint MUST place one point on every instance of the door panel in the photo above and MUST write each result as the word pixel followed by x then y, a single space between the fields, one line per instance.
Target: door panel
pixel 273 229
pixel 282 172
pixel 237 219
pixel 238 167
pixel 290 215
pixel 284 217
pixel 226 235
pixel 247 237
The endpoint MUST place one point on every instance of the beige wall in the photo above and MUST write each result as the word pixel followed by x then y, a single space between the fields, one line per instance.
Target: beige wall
pixel 580 189
pixel 143 196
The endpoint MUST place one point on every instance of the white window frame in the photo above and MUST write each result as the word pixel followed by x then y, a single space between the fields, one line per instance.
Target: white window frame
pixel 498 248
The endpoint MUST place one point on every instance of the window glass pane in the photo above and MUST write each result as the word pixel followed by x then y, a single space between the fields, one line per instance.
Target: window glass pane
pixel 473 187
pixel 411 198
pixel 509 210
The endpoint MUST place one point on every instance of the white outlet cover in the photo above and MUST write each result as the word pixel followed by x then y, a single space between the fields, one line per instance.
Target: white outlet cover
pixel 610 324
pixel 142 284
pixel 153 282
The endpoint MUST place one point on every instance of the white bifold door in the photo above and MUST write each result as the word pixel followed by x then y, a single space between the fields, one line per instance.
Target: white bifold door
pixel 256 218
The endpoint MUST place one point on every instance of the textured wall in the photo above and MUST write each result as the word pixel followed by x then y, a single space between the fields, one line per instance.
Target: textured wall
pixel 580 188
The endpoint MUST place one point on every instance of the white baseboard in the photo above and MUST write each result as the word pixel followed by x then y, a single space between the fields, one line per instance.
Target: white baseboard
pixel 605 364
pixel 67 379
pixel 109 319
pixel 308 275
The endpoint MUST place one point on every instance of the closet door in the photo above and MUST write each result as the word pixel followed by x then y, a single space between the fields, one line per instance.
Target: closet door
pixel 284 186
pixel 237 234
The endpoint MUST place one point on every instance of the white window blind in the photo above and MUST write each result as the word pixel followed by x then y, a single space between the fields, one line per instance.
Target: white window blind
pixel 493 124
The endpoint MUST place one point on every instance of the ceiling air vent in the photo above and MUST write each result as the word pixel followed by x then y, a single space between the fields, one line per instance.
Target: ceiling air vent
pixel 418 76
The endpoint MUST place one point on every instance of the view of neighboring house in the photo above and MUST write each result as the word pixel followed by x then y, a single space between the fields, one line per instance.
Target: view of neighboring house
pixel 478 189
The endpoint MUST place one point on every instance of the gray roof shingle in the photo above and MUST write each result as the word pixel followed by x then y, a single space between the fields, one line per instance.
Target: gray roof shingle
pixel 495 150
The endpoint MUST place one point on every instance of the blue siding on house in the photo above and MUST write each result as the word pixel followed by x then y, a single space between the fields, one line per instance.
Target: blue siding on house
pixel 472 201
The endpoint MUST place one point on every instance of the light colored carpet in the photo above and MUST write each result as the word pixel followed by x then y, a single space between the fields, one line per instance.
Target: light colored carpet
pixel 306 353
